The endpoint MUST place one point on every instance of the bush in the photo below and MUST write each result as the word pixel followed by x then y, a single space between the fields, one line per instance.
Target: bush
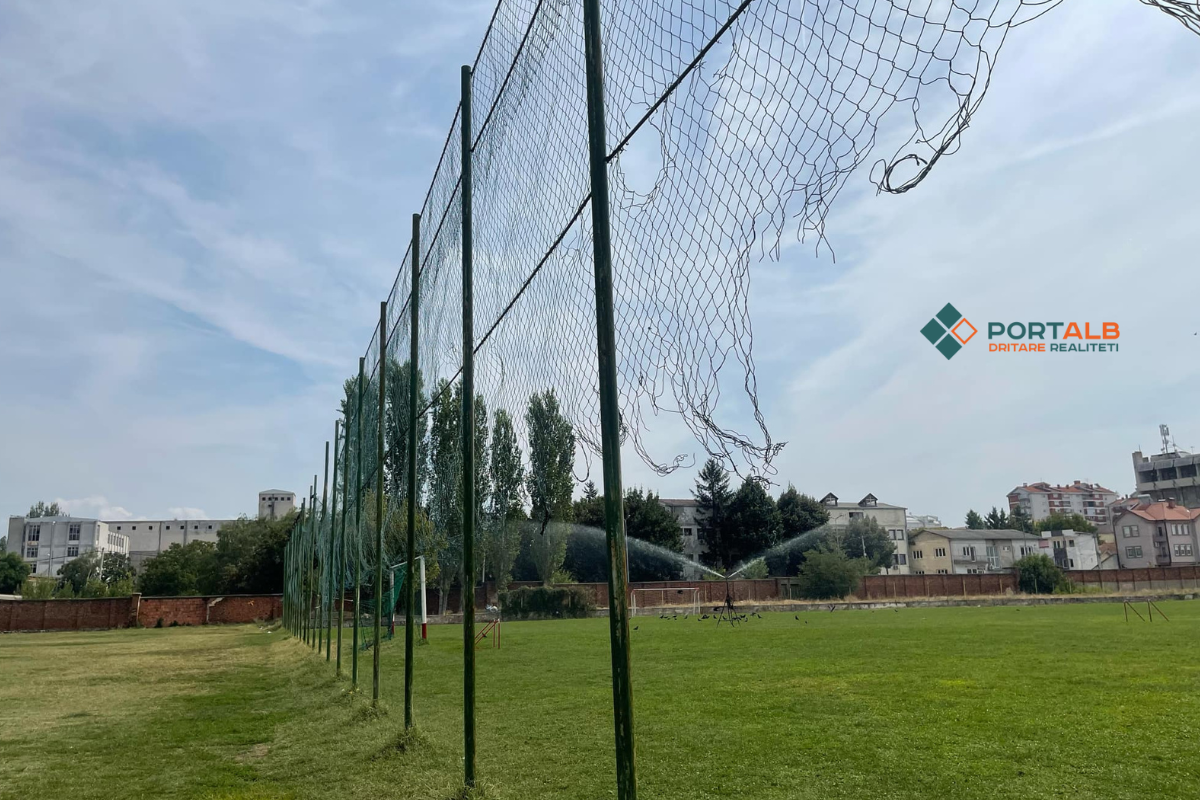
pixel 38 588
pixel 541 602
pixel 827 574
pixel 1038 574
pixel 13 572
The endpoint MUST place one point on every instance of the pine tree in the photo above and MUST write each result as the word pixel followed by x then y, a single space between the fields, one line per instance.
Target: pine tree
pixel 974 521
pixel 712 496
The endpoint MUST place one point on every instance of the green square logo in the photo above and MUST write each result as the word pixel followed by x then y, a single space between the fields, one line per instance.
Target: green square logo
pixel 942 331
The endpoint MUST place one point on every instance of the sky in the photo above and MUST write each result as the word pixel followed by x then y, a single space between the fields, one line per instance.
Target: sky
pixel 203 203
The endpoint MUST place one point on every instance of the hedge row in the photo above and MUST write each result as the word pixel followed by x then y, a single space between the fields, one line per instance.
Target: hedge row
pixel 536 602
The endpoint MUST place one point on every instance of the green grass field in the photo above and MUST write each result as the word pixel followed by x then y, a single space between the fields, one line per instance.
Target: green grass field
pixel 1034 702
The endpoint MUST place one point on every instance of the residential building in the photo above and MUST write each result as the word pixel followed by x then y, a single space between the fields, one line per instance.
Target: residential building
pixel 275 503
pixel 47 543
pixel 965 551
pixel 1040 500
pixel 1157 534
pixel 1074 549
pixel 892 519
pixel 1170 475
pixel 915 521
pixel 687 514
pixel 148 538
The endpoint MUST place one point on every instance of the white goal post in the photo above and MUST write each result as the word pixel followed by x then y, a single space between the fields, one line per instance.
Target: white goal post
pixel 679 599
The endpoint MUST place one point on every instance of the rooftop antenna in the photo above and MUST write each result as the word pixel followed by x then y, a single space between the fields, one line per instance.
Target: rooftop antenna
pixel 1165 432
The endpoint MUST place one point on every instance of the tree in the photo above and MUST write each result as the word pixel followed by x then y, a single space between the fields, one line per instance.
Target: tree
pixel 866 539
pixel 189 569
pixel 750 525
pixel 13 572
pixel 3 544
pixel 974 521
pixel 503 531
pixel 799 513
pixel 1038 574
pixel 996 520
pixel 713 496
pixel 589 510
pixel 429 541
pixel 828 574
pixel 1065 522
pixel 550 482
pixel 1020 520
pixel 106 569
pixel 40 509
pixel 647 519
pixel 397 426
pixel 250 554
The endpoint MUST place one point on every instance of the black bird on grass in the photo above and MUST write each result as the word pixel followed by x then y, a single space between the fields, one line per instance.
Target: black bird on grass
pixel 635 627
pixel 797 616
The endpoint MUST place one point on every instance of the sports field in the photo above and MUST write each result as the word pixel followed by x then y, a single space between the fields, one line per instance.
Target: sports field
pixel 1066 701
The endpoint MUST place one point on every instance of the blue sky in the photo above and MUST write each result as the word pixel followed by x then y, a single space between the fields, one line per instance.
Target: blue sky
pixel 203 204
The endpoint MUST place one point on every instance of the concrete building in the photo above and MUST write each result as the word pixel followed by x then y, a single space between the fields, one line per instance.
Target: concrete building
pixel 1170 475
pixel 964 551
pixel 1157 534
pixel 916 521
pixel 1040 500
pixel 275 503
pixel 148 538
pixel 892 519
pixel 687 514
pixel 1074 549
pixel 47 543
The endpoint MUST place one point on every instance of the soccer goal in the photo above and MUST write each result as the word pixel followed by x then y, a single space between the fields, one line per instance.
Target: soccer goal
pixel 681 599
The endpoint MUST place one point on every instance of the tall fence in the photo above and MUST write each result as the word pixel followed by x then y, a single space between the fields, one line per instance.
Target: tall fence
pixel 580 265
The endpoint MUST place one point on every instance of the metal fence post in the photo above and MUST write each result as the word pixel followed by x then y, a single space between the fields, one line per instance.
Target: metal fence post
pixel 358 482
pixel 335 578
pixel 312 557
pixel 413 398
pixel 342 538
pixel 379 499
pixel 468 443
pixel 322 592
pixel 610 419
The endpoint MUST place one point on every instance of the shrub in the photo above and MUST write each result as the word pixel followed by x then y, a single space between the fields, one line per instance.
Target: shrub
pixel 37 588
pixel 827 574
pixel 1038 574
pixel 13 572
pixel 540 602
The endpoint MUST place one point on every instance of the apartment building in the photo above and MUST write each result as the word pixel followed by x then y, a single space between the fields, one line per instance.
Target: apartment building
pixel 892 519
pixel 916 521
pixel 1073 549
pixel 47 543
pixel 1040 500
pixel 275 503
pixel 964 551
pixel 1157 534
pixel 1173 475
pixel 687 513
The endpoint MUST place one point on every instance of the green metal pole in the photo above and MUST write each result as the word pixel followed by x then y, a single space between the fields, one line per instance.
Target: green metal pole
pixel 379 498
pixel 301 573
pixel 332 547
pixel 468 443
pixel 413 399
pixel 341 579
pixel 610 412
pixel 358 415
pixel 312 568
pixel 322 590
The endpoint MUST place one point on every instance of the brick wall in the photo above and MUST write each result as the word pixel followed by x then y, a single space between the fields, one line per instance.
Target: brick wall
pixel 118 612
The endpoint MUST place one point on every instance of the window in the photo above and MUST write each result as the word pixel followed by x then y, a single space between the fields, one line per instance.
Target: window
pixel 210 527
pixel 969 551
pixel 1071 562
pixel 687 531
pixel 901 560
pixel 168 527
pixel 1129 531
pixel 943 572
pixel 73 532
pixel 33 533
pixel 72 552
pixel 993 557
pixel 195 527
pixel 1133 552
pixel 31 552
pixel 1070 542
pixel 135 527
pixel 1179 530
pixel 856 515
pixel 118 527
pixel 1183 549
pixel 939 552
pixel 917 554
pixel 897 535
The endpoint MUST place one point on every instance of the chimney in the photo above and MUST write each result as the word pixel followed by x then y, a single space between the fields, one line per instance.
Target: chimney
pixel 1170 502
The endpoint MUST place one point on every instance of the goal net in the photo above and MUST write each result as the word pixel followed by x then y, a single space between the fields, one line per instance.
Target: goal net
pixel 677 599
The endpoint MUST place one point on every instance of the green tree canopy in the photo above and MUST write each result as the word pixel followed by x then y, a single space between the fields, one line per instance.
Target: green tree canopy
pixel 502 534
pixel 997 520
pixel 550 482
pixel 107 569
pixel 1038 574
pixel 189 569
pixel 799 513
pixel 1065 522
pixel 40 509
pixel 828 574
pixel 589 509
pixel 751 525
pixel 13 572
pixel 864 538
pixel 1020 520
pixel 646 518
pixel 713 497
pixel 974 521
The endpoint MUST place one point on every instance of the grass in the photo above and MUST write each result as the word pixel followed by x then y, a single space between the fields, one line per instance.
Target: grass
pixel 1029 702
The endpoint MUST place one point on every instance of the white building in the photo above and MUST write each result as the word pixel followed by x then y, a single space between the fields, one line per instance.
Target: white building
pixel 275 503
pixel 893 519
pixel 917 521
pixel 1040 500
pixel 1073 549
pixel 47 543
pixel 687 514
pixel 148 538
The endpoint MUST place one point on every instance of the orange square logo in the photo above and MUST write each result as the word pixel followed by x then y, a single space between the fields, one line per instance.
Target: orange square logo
pixel 958 335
